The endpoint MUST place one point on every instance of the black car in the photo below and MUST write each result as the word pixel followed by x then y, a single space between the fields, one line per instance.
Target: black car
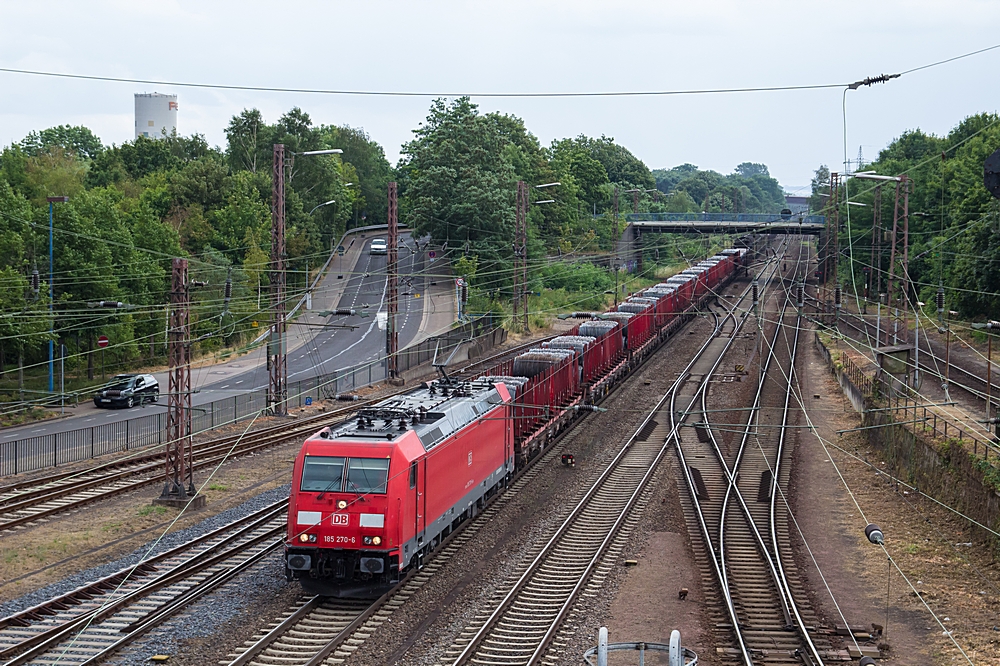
pixel 128 390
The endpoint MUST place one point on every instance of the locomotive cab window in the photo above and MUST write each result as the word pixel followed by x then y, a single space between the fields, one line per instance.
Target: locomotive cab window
pixel 322 474
pixel 413 474
pixel 367 475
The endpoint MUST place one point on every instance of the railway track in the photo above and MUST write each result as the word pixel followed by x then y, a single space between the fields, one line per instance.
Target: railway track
pixel 24 502
pixel 735 514
pixel 88 624
pixel 972 382
pixel 525 624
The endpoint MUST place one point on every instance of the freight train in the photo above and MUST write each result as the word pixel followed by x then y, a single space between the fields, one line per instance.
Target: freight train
pixel 372 496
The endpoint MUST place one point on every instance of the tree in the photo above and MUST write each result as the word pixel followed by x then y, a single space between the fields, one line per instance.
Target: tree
pixel 461 185
pixel 78 140
pixel 247 137
pixel 620 164
pixel 372 172
pixel 820 188
pixel 748 169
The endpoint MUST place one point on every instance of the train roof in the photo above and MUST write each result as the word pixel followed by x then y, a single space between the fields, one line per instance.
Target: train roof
pixel 433 411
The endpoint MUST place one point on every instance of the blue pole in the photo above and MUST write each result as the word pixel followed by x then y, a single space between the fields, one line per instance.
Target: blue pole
pixel 52 321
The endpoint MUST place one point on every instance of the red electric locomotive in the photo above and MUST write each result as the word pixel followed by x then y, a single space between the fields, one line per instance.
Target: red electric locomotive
pixel 372 495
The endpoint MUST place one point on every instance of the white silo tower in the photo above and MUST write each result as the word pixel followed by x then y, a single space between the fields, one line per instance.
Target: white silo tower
pixel 154 113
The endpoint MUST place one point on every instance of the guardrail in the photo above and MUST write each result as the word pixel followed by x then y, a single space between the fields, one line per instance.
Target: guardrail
pixel 34 453
pixel 757 218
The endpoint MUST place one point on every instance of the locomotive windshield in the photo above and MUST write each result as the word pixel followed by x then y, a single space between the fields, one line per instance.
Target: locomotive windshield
pixel 367 475
pixel 322 474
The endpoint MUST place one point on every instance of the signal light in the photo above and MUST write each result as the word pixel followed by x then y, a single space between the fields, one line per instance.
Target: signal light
pixel 307 538
pixel 376 540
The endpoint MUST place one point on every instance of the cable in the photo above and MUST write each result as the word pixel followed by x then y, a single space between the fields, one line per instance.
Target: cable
pixel 399 93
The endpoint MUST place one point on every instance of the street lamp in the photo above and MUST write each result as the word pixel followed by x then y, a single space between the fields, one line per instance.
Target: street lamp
pixel 277 368
pixel 52 315
pixel 325 203
pixel 332 151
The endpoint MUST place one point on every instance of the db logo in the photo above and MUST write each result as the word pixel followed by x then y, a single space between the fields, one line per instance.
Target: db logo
pixel 470 458
pixel 341 519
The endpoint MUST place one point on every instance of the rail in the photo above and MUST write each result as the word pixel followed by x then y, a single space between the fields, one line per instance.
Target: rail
pixel 578 545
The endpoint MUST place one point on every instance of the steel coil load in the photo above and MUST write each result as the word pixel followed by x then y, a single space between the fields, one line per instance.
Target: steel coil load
pixel 642 300
pixel 537 361
pixel 597 328
pixel 634 308
pixel 578 343
pixel 621 317
pixel 513 384
pixel 658 294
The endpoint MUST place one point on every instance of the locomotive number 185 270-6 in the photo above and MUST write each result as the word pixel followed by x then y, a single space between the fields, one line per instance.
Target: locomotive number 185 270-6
pixel 339 539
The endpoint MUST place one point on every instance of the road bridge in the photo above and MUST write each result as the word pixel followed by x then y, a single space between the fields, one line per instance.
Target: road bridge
pixel 726 223
pixel 630 244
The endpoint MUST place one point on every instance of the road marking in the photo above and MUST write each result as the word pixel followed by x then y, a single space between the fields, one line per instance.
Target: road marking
pixel 39 430
pixel 87 420
pixel 240 382
pixel 224 387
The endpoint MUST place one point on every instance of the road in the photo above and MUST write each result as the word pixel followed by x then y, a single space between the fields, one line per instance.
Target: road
pixel 316 344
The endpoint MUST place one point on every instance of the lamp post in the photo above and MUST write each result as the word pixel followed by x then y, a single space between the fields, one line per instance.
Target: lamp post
pixel 521 247
pixel 52 320
pixel 276 361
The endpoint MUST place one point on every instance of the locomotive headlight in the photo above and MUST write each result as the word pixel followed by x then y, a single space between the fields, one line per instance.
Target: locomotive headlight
pixel 367 540
pixel 376 540
pixel 304 538
pixel 342 504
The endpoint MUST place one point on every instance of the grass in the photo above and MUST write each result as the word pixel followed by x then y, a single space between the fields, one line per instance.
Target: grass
pixel 30 415
pixel 152 510
pixel 221 487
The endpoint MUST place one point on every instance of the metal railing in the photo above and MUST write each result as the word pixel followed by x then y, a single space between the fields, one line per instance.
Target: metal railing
pixel 756 218
pixel 902 409
pixel 52 450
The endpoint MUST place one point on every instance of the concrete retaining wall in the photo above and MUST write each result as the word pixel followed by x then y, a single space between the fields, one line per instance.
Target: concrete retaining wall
pixel 945 469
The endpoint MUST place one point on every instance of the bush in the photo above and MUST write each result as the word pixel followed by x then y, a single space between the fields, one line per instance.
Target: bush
pixel 575 277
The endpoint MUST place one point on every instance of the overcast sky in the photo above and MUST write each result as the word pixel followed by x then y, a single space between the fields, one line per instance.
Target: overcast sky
pixel 521 47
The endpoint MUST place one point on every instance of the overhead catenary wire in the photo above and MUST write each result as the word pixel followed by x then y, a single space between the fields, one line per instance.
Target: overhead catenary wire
pixel 553 94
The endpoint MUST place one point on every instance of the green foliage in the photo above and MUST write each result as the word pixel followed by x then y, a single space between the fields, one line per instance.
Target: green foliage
pixel 460 182
pixel 954 224
pixel 78 140
pixel 134 206
pixel 583 277
pixel 749 189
